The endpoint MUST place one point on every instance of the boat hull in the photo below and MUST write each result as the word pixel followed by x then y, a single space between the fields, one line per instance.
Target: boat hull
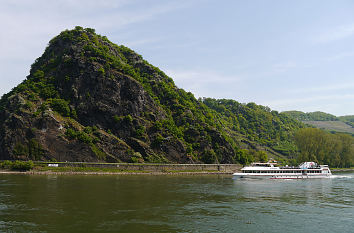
pixel 270 176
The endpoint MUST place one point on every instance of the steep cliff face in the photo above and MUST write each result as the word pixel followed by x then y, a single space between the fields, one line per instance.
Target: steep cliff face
pixel 87 99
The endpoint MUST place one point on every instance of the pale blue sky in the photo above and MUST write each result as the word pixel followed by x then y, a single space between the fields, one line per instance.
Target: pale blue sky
pixel 285 54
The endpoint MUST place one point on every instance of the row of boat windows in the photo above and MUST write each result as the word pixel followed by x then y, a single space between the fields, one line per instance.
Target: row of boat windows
pixel 283 171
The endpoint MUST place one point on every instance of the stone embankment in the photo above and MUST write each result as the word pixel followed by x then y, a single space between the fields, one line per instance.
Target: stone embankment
pixel 154 168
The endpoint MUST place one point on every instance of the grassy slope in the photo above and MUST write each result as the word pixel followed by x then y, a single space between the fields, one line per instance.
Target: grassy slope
pixel 337 126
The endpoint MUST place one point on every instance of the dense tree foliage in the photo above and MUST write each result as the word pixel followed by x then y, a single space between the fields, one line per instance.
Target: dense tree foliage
pixel 336 150
pixel 347 119
pixel 258 123
pixel 311 116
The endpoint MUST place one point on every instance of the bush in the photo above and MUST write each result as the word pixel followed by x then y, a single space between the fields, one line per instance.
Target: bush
pixel 158 140
pixel 209 157
pixel 61 106
pixel 20 149
pixel 22 165
pixel 84 137
pixel 128 119
pixel 137 158
pixel 70 133
pixel 17 165
pixel 140 131
pixel 6 164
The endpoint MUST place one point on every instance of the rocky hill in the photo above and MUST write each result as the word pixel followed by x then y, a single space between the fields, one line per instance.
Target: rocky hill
pixel 88 99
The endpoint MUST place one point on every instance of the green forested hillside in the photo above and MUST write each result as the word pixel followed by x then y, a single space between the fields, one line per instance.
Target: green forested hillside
pixel 336 150
pixel 331 143
pixel 258 123
pixel 332 126
pixel 311 116
pixel 349 120
pixel 88 99
pixel 325 121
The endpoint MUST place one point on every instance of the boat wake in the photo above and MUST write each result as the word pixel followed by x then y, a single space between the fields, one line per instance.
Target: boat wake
pixel 342 176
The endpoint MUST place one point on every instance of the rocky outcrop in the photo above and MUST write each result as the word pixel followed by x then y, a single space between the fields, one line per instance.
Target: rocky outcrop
pixel 87 99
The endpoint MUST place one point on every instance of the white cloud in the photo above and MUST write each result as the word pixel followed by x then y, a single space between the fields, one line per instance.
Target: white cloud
pixel 326 88
pixel 285 103
pixel 145 41
pixel 339 33
pixel 206 83
pixel 339 56
pixel 284 66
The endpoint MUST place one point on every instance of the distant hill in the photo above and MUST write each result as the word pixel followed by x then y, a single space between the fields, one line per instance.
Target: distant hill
pixel 347 119
pixel 337 126
pixel 334 147
pixel 311 116
pixel 326 121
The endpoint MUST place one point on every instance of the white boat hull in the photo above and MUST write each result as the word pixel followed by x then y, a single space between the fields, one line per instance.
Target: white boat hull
pixel 306 170
pixel 277 176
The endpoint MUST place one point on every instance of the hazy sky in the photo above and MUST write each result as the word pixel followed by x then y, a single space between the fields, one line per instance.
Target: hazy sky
pixel 285 54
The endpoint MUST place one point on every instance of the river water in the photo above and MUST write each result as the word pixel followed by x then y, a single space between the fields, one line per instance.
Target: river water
pixel 146 203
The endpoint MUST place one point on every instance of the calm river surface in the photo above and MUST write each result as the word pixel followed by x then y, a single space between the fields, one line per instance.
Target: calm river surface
pixel 145 203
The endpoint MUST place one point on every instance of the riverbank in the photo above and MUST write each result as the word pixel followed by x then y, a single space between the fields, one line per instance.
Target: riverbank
pixel 84 168
pixel 36 172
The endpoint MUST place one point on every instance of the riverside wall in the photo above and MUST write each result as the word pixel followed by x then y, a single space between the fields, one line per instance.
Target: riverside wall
pixel 223 168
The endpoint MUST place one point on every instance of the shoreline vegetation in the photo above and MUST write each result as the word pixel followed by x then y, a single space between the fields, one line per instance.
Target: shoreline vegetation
pixel 29 167
pixel 33 172
pixel 78 168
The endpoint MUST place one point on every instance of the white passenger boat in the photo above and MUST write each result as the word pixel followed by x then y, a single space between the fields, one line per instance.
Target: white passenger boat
pixel 306 170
